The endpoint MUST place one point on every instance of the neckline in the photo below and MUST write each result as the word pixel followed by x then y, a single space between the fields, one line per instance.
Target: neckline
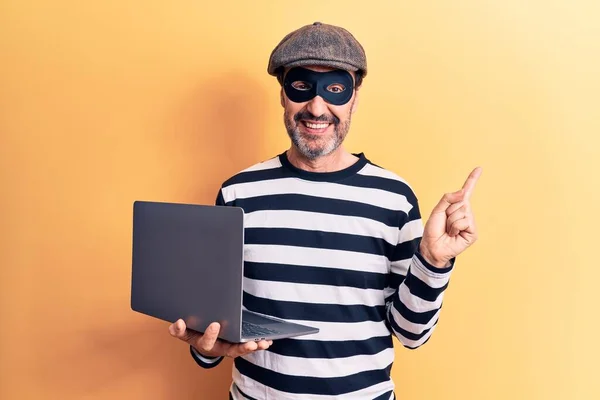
pixel 324 176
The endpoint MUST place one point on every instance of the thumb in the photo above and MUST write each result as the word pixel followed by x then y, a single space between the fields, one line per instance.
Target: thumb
pixel 210 336
pixel 447 200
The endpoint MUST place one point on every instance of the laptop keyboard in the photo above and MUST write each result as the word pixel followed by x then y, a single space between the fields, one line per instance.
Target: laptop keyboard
pixel 252 330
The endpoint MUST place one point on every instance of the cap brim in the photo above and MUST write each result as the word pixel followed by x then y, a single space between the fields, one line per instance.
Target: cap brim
pixel 315 62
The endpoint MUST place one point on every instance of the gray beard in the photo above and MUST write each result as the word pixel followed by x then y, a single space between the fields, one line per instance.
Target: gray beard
pixel 325 145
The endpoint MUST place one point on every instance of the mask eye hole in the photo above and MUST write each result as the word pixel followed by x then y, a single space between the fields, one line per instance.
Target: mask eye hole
pixel 336 88
pixel 301 85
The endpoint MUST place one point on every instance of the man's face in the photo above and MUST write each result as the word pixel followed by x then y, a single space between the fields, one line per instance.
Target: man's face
pixel 317 127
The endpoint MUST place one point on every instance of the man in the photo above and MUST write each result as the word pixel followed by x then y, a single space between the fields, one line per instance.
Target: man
pixel 332 241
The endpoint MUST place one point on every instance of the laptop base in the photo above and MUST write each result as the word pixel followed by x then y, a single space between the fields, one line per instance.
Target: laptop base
pixel 257 327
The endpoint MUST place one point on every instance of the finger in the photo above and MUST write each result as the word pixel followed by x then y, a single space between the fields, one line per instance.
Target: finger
pixel 447 200
pixel 207 341
pixel 173 328
pixel 470 233
pixel 264 344
pixel 178 330
pixel 455 207
pixel 469 184
pixel 243 348
pixel 455 216
pixel 458 226
pixel 250 346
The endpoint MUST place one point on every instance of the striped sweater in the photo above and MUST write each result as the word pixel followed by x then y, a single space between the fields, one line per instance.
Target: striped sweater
pixel 337 251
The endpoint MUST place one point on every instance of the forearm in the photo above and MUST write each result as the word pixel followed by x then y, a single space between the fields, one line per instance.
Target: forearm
pixel 414 311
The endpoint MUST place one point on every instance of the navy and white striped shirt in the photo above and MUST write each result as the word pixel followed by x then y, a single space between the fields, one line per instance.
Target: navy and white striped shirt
pixel 337 251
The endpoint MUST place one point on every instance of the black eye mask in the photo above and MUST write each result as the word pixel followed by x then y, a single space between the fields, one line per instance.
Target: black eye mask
pixel 335 87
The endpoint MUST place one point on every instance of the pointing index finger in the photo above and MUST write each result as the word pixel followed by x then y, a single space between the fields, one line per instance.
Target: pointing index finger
pixel 470 182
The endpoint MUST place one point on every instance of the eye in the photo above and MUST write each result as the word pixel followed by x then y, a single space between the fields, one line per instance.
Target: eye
pixel 301 85
pixel 336 88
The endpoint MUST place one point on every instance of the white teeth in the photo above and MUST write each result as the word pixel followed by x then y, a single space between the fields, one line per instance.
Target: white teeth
pixel 316 126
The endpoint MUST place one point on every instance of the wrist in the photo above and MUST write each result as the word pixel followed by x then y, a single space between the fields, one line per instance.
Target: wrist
pixel 204 355
pixel 435 262
pixel 204 362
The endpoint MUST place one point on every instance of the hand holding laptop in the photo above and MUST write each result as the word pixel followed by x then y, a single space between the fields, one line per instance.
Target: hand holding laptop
pixel 208 343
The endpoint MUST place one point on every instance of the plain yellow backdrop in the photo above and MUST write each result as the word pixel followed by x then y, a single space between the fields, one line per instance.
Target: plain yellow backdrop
pixel 102 103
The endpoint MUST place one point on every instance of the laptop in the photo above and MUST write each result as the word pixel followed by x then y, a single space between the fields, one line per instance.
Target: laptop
pixel 188 263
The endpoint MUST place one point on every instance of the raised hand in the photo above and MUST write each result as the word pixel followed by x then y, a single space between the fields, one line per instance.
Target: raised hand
pixel 208 343
pixel 450 229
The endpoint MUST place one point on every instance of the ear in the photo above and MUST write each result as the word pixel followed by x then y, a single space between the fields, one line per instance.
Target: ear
pixel 281 99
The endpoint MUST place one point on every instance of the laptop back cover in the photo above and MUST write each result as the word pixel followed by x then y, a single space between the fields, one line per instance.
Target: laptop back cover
pixel 187 262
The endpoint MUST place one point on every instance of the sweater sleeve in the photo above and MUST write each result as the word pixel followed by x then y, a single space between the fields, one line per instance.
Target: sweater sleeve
pixel 203 361
pixel 416 288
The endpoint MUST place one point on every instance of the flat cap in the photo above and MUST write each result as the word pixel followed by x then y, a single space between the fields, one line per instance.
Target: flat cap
pixel 318 44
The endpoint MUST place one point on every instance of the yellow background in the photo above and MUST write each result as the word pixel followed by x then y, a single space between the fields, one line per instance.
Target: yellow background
pixel 102 103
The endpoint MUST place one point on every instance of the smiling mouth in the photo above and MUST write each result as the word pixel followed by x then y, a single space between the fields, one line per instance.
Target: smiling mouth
pixel 316 127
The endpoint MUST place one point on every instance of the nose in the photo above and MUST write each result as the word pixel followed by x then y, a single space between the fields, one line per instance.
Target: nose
pixel 317 106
